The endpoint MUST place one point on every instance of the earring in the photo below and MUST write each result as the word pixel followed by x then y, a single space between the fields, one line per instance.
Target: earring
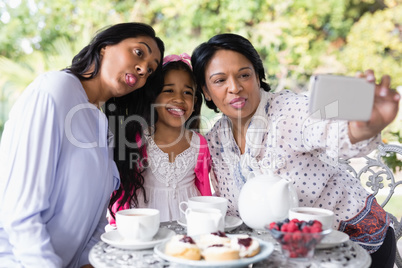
pixel 208 98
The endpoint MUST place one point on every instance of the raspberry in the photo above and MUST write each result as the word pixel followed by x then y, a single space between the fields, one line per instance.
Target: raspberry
pixel 317 224
pixel 285 227
pixel 295 220
pixel 292 227
pixel 293 255
pixel 314 229
pixel 287 238
pixel 273 225
pixel 306 229
pixel 295 237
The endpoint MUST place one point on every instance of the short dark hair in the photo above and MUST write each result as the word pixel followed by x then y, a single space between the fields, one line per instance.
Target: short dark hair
pixel 228 41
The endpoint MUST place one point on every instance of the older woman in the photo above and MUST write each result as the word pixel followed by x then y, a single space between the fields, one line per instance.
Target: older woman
pixel 260 129
pixel 56 158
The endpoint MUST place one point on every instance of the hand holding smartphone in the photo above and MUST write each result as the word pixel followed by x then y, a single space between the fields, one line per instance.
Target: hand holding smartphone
pixel 341 97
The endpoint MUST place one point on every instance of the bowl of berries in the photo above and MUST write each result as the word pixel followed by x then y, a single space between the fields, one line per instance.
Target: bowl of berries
pixel 298 238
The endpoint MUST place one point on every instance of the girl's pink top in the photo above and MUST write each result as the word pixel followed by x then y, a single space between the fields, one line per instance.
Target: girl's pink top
pixel 201 171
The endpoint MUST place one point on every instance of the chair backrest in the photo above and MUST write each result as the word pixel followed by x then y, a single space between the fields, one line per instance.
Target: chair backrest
pixel 379 177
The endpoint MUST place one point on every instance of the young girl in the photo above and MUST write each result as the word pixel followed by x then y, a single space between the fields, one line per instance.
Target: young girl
pixel 177 157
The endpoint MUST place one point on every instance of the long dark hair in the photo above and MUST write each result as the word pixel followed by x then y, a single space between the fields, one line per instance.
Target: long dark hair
pixel 89 56
pixel 126 113
pixel 193 122
pixel 132 161
pixel 228 41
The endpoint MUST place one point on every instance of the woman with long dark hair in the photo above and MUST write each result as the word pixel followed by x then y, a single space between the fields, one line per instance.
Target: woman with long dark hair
pixel 57 168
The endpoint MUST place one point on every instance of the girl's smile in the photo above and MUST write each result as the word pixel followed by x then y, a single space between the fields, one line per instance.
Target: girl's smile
pixel 176 111
pixel 175 103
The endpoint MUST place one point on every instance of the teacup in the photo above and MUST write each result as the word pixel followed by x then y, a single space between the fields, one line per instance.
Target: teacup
pixel 325 216
pixel 204 220
pixel 217 202
pixel 138 224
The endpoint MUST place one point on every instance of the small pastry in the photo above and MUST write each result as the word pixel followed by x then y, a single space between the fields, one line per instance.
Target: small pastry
pixel 247 246
pixel 184 247
pixel 220 252
pixel 216 238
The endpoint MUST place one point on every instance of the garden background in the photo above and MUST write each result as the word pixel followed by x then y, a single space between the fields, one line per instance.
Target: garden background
pixel 295 38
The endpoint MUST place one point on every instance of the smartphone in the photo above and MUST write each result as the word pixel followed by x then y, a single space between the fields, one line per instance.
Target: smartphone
pixel 341 97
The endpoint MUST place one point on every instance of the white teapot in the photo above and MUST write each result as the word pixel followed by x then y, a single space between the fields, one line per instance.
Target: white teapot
pixel 265 198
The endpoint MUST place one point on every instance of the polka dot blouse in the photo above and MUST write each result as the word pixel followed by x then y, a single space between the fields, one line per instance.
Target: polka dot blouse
pixel 292 145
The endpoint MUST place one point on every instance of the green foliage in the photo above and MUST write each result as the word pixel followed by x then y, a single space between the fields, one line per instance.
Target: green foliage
pixel 39 23
pixel 394 204
pixel 20 73
pixel 391 159
pixel 375 42
pixel 295 38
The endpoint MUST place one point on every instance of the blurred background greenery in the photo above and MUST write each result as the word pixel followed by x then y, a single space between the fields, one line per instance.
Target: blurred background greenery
pixel 295 38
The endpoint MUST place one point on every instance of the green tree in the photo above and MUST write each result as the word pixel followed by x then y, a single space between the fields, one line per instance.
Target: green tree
pixel 375 42
pixel 295 38
pixel 35 25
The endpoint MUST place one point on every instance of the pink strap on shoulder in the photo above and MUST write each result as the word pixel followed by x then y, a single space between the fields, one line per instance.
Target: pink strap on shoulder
pixel 202 168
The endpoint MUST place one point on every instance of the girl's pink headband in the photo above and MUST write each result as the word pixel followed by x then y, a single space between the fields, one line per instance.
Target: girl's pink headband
pixel 184 57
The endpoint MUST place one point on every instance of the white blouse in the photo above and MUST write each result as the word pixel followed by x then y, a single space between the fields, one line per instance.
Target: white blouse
pixel 167 184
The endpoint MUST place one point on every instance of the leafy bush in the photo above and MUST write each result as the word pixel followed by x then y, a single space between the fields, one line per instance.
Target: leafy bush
pixel 391 159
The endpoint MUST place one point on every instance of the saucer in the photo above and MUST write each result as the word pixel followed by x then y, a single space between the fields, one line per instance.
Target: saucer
pixel 109 228
pixel 113 238
pixel 231 222
pixel 333 239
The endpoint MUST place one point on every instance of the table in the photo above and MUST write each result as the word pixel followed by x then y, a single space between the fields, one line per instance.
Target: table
pixel 348 254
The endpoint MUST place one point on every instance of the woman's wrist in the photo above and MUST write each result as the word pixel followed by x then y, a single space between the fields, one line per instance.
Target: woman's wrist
pixel 359 131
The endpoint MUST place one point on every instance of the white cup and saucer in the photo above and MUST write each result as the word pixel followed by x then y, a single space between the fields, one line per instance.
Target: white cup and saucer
pixel 326 217
pixel 137 228
pixel 197 203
